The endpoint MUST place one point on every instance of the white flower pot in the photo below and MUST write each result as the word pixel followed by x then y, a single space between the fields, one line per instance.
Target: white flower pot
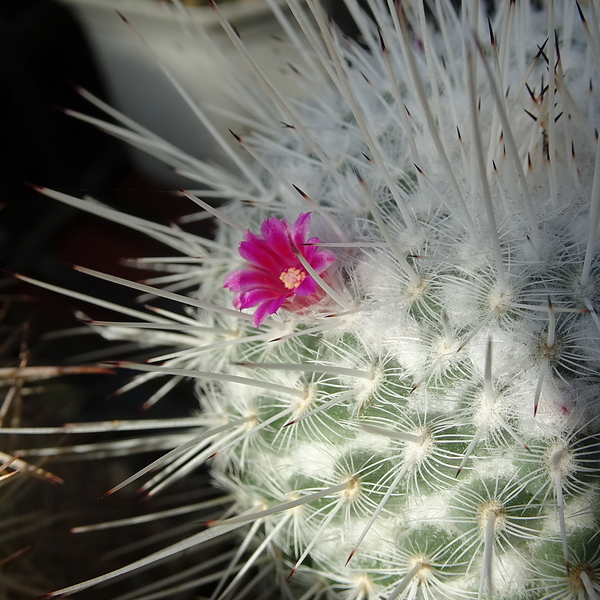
pixel 138 87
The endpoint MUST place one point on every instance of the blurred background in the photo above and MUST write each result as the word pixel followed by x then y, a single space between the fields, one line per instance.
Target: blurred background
pixel 44 52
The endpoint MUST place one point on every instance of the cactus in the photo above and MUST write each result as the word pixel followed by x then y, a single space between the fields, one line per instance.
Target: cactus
pixel 394 334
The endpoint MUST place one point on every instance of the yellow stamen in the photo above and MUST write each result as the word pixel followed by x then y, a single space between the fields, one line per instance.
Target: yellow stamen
pixel 292 278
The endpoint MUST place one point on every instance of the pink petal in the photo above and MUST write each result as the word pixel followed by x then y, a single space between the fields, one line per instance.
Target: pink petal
pixel 260 315
pixel 308 252
pixel 266 309
pixel 231 280
pixel 301 230
pixel 276 234
pixel 307 287
pixel 254 297
pixel 276 304
pixel 259 254
pixel 243 280
pixel 237 302
pixel 322 260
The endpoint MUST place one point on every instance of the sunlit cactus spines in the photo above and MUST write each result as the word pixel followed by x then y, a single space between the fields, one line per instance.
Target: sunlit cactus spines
pixel 394 333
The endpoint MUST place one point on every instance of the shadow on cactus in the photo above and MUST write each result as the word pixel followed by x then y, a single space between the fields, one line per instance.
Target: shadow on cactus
pixel 400 390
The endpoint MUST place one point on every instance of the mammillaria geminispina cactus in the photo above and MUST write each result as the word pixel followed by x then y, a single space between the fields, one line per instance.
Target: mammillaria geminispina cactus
pixel 394 333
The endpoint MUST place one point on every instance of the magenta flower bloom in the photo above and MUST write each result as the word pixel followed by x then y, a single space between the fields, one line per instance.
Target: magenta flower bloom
pixel 274 276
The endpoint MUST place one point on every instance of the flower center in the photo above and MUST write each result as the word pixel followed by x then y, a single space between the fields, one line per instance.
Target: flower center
pixel 292 277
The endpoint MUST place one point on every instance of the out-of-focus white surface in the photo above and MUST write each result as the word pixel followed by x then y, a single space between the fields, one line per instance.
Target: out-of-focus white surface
pixel 180 40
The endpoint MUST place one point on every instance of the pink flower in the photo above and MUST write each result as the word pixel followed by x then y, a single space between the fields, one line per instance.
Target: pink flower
pixel 274 276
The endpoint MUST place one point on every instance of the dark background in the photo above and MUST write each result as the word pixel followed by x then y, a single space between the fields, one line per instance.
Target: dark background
pixel 42 53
